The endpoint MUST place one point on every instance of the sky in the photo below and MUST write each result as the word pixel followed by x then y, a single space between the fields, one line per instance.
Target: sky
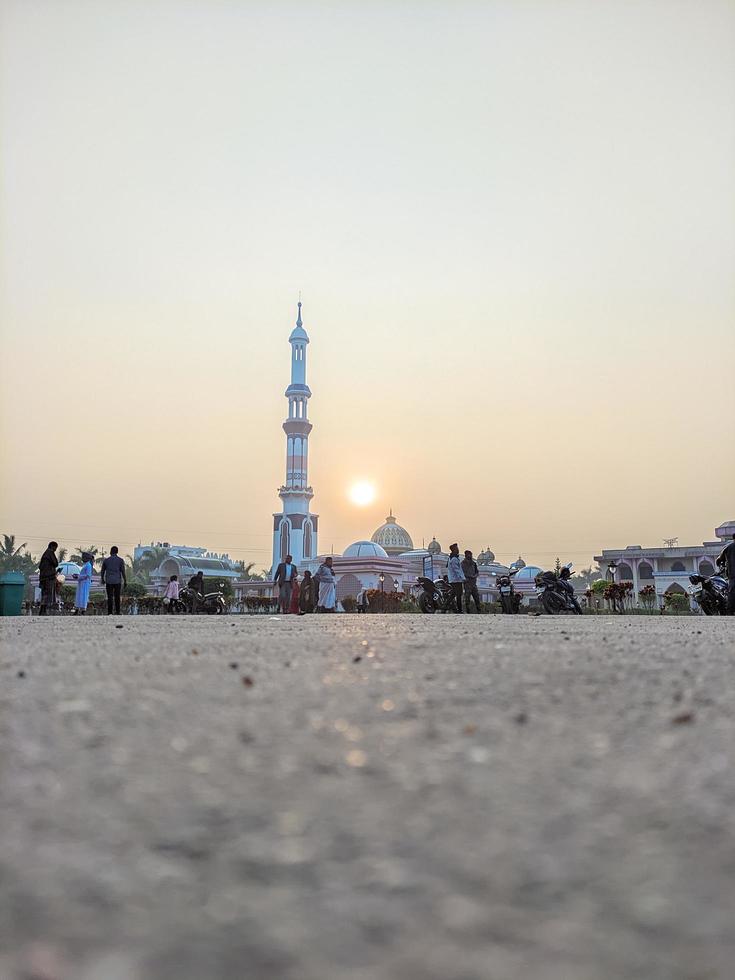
pixel 511 224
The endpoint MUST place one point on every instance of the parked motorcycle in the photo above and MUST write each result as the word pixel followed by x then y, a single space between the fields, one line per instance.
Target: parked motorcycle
pixel 556 592
pixel 710 593
pixel 510 601
pixel 435 596
pixel 213 603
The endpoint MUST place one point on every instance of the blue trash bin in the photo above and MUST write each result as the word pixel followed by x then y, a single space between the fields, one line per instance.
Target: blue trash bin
pixel 12 586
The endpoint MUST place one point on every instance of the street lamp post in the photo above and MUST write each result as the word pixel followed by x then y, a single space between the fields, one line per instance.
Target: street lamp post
pixel 381 579
pixel 611 569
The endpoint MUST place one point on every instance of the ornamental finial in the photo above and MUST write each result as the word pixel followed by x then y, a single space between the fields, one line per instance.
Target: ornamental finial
pixel 298 318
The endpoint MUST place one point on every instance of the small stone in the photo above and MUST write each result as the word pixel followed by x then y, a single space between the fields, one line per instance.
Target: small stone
pixel 357 659
pixel 234 665
pixel 248 681
pixel 195 653
pixel 21 673
pixel 469 729
pixel 119 627
pixel 685 718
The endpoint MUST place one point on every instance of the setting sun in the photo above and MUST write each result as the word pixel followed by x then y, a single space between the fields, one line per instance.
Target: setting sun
pixel 362 493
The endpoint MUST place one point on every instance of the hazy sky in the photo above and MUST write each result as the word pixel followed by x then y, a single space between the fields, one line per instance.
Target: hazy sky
pixel 512 224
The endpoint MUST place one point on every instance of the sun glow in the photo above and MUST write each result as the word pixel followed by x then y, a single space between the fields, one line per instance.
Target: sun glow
pixel 362 493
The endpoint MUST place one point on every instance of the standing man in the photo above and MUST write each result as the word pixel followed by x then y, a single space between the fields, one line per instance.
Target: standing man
pixel 47 579
pixel 113 578
pixel 726 561
pixel 471 571
pixel 285 575
pixel 455 576
pixel 196 587
pixel 326 582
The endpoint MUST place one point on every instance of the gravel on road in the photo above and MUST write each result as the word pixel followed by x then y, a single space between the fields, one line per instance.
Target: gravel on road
pixel 367 798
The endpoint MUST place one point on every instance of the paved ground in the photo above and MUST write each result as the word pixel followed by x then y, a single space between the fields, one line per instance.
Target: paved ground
pixel 367 798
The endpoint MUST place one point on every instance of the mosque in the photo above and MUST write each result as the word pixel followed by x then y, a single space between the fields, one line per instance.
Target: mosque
pixel 387 560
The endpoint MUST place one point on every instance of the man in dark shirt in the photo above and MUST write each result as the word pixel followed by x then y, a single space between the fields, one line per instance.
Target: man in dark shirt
pixel 47 579
pixel 113 578
pixel 469 567
pixel 196 586
pixel 284 578
pixel 726 561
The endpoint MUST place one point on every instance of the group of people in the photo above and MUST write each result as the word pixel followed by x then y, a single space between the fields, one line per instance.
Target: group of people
pixel 112 575
pixel 462 577
pixel 313 593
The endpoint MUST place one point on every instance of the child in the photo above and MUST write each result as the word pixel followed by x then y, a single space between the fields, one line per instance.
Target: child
pixel 171 594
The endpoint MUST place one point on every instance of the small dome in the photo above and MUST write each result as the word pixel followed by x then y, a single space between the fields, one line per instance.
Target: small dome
pixel 518 563
pixel 434 547
pixel 365 549
pixel 485 557
pixel 392 537
pixel 298 332
pixel 527 574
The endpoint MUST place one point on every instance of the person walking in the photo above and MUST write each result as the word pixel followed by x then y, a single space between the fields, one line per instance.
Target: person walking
pixel 84 582
pixel 455 575
pixel 327 587
pixel 470 571
pixel 726 561
pixel 306 594
pixel 113 579
pixel 362 600
pixel 171 595
pixel 47 579
pixel 285 574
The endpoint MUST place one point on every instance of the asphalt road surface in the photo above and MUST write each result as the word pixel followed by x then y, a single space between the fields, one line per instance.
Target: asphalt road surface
pixel 367 798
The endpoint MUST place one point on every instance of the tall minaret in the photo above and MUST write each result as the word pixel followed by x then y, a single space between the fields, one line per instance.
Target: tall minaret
pixel 295 529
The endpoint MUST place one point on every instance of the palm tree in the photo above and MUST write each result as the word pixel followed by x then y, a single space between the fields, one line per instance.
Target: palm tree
pixel 15 559
pixel 587 576
pixel 8 551
pixel 93 551
pixel 246 571
pixel 61 554
pixel 141 568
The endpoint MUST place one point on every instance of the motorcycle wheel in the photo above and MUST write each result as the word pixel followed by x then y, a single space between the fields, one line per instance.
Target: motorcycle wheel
pixel 551 604
pixel 425 604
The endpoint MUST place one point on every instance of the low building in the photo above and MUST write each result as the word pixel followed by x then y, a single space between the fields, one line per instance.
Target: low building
pixel 185 561
pixel 667 569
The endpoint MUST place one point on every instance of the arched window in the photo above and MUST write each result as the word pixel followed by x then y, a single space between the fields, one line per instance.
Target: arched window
pixel 625 573
pixel 645 571
pixel 678 566
pixel 307 539
pixel 284 539
pixel 706 568
pixel 348 585
pixel 675 589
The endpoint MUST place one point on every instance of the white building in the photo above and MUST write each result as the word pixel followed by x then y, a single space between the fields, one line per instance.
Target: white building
pixel 666 568
pixel 295 527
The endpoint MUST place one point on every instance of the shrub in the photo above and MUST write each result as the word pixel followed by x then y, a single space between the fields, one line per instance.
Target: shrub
pixel 389 602
pixel 349 603
pixel 677 602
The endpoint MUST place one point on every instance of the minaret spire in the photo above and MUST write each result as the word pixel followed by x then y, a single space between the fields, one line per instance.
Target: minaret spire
pixel 295 528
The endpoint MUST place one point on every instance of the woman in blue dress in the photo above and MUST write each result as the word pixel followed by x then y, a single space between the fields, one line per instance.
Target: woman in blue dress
pixel 83 583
